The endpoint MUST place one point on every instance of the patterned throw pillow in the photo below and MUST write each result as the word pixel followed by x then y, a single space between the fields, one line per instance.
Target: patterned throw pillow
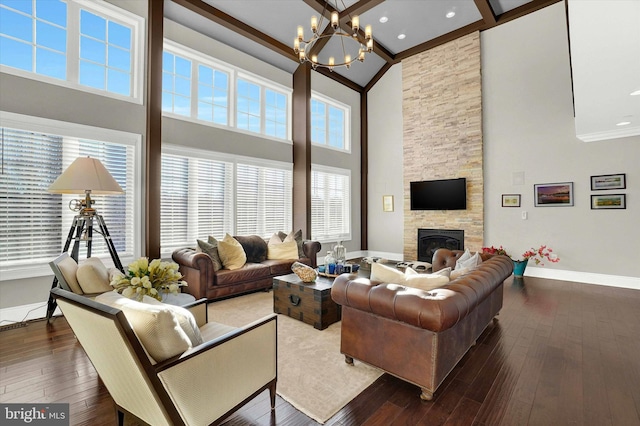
pixel 294 236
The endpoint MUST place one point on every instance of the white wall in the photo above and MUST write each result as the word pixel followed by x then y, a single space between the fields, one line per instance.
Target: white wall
pixel 385 162
pixel 529 128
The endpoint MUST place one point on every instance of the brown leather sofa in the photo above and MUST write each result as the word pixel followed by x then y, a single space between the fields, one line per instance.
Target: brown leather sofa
pixel 416 335
pixel 203 282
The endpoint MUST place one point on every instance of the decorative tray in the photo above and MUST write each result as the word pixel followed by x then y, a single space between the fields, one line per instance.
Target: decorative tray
pixel 326 274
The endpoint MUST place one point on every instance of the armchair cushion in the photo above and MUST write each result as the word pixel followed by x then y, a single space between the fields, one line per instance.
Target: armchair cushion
pixel 156 326
pixel 93 276
pixel 69 269
pixel 185 318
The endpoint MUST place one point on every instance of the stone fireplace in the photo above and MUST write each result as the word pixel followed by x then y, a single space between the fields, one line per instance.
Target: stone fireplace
pixel 429 240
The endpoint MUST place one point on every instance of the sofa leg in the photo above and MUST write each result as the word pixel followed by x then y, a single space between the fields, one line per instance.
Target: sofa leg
pixel 348 359
pixel 426 395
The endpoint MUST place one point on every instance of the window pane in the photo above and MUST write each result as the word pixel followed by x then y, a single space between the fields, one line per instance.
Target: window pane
pixel 183 87
pixel 205 111
pixel 205 75
pixel 93 25
pixel 183 67
pixel 49 36
pixel 92 75
pixel 118 82
pixel 167 61
pixel 16 54
pixel 16 25
pixel 119 58
pixel 167 82
pixel 93 50
pixel 119 35
pixel 182 105
pixel 220 115
pixel 51 64
pixel 53 11
pixel 21 5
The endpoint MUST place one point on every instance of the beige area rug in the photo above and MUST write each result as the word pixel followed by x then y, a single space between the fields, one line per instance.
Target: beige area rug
pixel 312 374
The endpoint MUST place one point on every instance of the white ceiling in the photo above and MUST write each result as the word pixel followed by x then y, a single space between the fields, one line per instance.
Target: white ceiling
pixel 605 42
pixel 605 58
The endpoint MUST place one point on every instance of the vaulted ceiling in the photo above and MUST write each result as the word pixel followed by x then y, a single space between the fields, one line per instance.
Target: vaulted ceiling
pixel 266 29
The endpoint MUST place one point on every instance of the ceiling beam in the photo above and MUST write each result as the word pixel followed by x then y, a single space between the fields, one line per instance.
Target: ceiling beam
pixel 340 79
pixel 362 6
pixel 228 21
pixel 525 9
pixel 445 38
pixel 487 12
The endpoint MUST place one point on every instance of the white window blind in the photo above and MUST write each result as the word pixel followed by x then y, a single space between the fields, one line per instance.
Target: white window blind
pixel 263 199
pixel 197 200
pixel 330 203
pixel 34 224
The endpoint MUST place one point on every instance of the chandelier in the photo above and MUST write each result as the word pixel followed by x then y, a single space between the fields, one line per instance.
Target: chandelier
pixel 305 48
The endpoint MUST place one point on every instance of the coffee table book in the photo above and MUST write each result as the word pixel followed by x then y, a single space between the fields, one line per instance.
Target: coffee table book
pixel 310 303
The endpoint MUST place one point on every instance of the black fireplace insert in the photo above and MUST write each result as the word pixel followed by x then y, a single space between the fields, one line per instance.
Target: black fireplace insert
pixel 430 240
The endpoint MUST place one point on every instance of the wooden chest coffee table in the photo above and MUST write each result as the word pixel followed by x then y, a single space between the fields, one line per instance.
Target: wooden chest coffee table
pixel 308 302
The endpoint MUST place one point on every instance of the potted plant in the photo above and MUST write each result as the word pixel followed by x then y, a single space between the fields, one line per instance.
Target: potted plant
pixel 540 255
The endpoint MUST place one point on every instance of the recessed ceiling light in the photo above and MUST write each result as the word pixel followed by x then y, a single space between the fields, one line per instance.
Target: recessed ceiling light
pixel 383 19
pixel 636 93
pixel 401 36
pixel 623 123
pixel 450 14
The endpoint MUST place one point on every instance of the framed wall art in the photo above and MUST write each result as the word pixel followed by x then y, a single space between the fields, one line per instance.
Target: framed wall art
pixel 602 182
pixel 510 200
pixel 608 201
pixel 553 194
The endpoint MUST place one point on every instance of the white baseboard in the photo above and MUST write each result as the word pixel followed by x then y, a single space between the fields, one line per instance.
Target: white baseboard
pixel 584 277
pixel 16 314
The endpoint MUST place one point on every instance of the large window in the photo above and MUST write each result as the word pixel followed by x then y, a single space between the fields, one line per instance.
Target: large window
pixel 34 224
pixel 205 193
pixel 92 46
pixel 330 203
pixel 330 123
pixel 200 88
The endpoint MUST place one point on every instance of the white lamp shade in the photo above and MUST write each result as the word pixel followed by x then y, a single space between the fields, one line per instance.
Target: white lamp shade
pixel 85 173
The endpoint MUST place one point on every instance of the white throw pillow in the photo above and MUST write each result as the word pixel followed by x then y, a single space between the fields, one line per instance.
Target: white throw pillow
pixel 459 272
pixel 386 274
pixel 444 271
pixel 185 318
pixel 156 326
pixel 426 281
pixel 470 261
pixel 231 253
pixel 93 276
pixel 69 268
pixel 283 250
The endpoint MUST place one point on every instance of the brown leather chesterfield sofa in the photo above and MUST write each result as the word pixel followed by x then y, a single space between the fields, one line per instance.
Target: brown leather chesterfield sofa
pixel 416 335
pixel 203 282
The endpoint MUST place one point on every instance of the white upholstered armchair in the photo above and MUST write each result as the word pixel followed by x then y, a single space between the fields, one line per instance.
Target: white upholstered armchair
pixel 199 385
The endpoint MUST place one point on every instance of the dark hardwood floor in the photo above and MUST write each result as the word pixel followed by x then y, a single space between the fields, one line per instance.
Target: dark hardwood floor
pixel 561 353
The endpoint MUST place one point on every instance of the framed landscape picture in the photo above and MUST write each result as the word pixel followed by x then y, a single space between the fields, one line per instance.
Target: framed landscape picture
pixel 553 194
pixel 608 201
pixel 510 200
pixel 617 181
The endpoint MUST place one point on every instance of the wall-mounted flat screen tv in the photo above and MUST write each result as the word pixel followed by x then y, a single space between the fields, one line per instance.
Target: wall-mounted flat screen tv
pixel 443 194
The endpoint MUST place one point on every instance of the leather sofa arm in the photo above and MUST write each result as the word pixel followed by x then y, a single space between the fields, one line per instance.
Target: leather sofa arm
pixel 311 250
pixel 197 270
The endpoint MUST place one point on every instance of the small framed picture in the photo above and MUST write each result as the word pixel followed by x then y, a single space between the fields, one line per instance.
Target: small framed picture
pixel 387 203
pixel 608 201
pixel 510 200
pixel 553 194
pixel 602 182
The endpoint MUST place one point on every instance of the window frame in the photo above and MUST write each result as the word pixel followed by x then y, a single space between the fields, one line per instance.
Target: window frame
pixel 107 11
pixel 80 131
pixel 346 109
pixel 197 153
pixel 347 199
pixel 234 74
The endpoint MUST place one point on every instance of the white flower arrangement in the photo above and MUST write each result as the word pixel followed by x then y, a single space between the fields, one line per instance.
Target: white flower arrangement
pixel 148 278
